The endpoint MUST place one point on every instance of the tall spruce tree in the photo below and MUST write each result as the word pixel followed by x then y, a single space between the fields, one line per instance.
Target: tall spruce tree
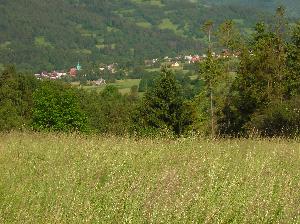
pixel 229 36
pixel 163 108
pixel 210 71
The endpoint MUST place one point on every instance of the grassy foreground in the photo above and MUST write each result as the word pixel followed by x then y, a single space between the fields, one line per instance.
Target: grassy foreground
pixel 53 178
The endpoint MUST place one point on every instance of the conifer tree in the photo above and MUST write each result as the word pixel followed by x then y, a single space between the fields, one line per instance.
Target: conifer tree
pixel 210 72
pixel 229 36
pixel 163 108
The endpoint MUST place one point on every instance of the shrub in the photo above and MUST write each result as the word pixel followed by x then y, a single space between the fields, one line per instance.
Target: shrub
pixel 108 111
pixel 15 99
pixel 56 108
pixel 277 119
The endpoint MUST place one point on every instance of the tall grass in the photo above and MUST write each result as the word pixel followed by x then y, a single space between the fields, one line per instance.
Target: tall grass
pixel 58 178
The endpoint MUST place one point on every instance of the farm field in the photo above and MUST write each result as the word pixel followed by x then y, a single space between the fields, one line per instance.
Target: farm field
pixel 61 178
pixel 123 86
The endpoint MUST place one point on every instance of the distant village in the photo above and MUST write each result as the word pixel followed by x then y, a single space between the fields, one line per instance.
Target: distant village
pixel 73 73
pixel 175 62
pixel 191 59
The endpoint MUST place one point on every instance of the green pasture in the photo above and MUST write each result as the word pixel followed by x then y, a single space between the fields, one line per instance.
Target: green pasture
pixel 124 86
pixel 61 178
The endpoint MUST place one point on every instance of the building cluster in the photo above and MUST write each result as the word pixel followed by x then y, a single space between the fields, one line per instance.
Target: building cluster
pixel 112 68
pixel 58 74
pixel 175 62
pixel 74 71
pixel 50 75
pixel 99 82
pixel 191 59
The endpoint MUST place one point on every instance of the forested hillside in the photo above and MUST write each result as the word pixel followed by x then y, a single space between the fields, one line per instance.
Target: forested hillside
pixel 54 34
pixel 292 6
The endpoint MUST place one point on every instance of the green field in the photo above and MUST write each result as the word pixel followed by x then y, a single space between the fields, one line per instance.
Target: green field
pixel 59 178
pixel 150 2
pixel 171 68
pixel 144 24
pixel 124 86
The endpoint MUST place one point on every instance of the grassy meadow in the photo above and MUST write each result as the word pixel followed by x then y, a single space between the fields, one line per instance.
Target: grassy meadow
pixel 60 178
pixel 123 86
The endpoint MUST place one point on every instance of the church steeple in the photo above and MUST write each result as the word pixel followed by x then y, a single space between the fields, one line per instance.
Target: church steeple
pixel 78 67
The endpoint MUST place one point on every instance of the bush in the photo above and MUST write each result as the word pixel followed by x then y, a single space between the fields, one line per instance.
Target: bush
pixel 56 108
pixel 108 111
pixel 277 119
pixel 16 99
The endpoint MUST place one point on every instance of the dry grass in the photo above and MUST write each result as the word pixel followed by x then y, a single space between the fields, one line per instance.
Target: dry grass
pixel 58 178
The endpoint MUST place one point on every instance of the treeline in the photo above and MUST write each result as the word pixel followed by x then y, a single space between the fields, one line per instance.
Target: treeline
pixel 30 104
pixel 262 96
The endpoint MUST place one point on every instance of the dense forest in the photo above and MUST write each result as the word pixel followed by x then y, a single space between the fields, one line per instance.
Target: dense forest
pixel 53 35
pixel 258 95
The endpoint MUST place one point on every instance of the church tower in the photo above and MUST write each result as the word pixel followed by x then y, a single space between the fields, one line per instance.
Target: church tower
pixel 78 67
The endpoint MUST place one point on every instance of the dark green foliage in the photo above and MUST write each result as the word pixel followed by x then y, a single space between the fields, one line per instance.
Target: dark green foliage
pixel 277 119
pixel 148 81
pixel 262 95
pixel 15 99
pixel 190 88
pixel 211 98
pixel 108 111
pixel 293 63
pixel 46 35
pixel 280 117
pixel 133 95
pixel 163 108
pixel 56 108
pixel 138 72
pixel 229 36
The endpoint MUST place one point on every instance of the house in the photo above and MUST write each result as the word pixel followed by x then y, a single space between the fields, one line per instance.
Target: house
pixel 167 59
pixel 151 62
pixel 175 65
pixel 45 74
pixel 225 53
pixel 188 57
pixel 195 58
pixel 112 68
pixel 148 62
pixel 236 54
pixel 53 75
pixel 73 72
pixel 100 82
pixel 60 74
pixel 154 60
pixel 38 76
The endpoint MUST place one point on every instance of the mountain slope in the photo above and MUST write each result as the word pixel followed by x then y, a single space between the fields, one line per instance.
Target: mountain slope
pixel 292 6
pixel 54 34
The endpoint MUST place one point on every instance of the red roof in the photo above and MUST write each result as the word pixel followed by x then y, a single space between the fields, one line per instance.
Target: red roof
pixel 73 72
